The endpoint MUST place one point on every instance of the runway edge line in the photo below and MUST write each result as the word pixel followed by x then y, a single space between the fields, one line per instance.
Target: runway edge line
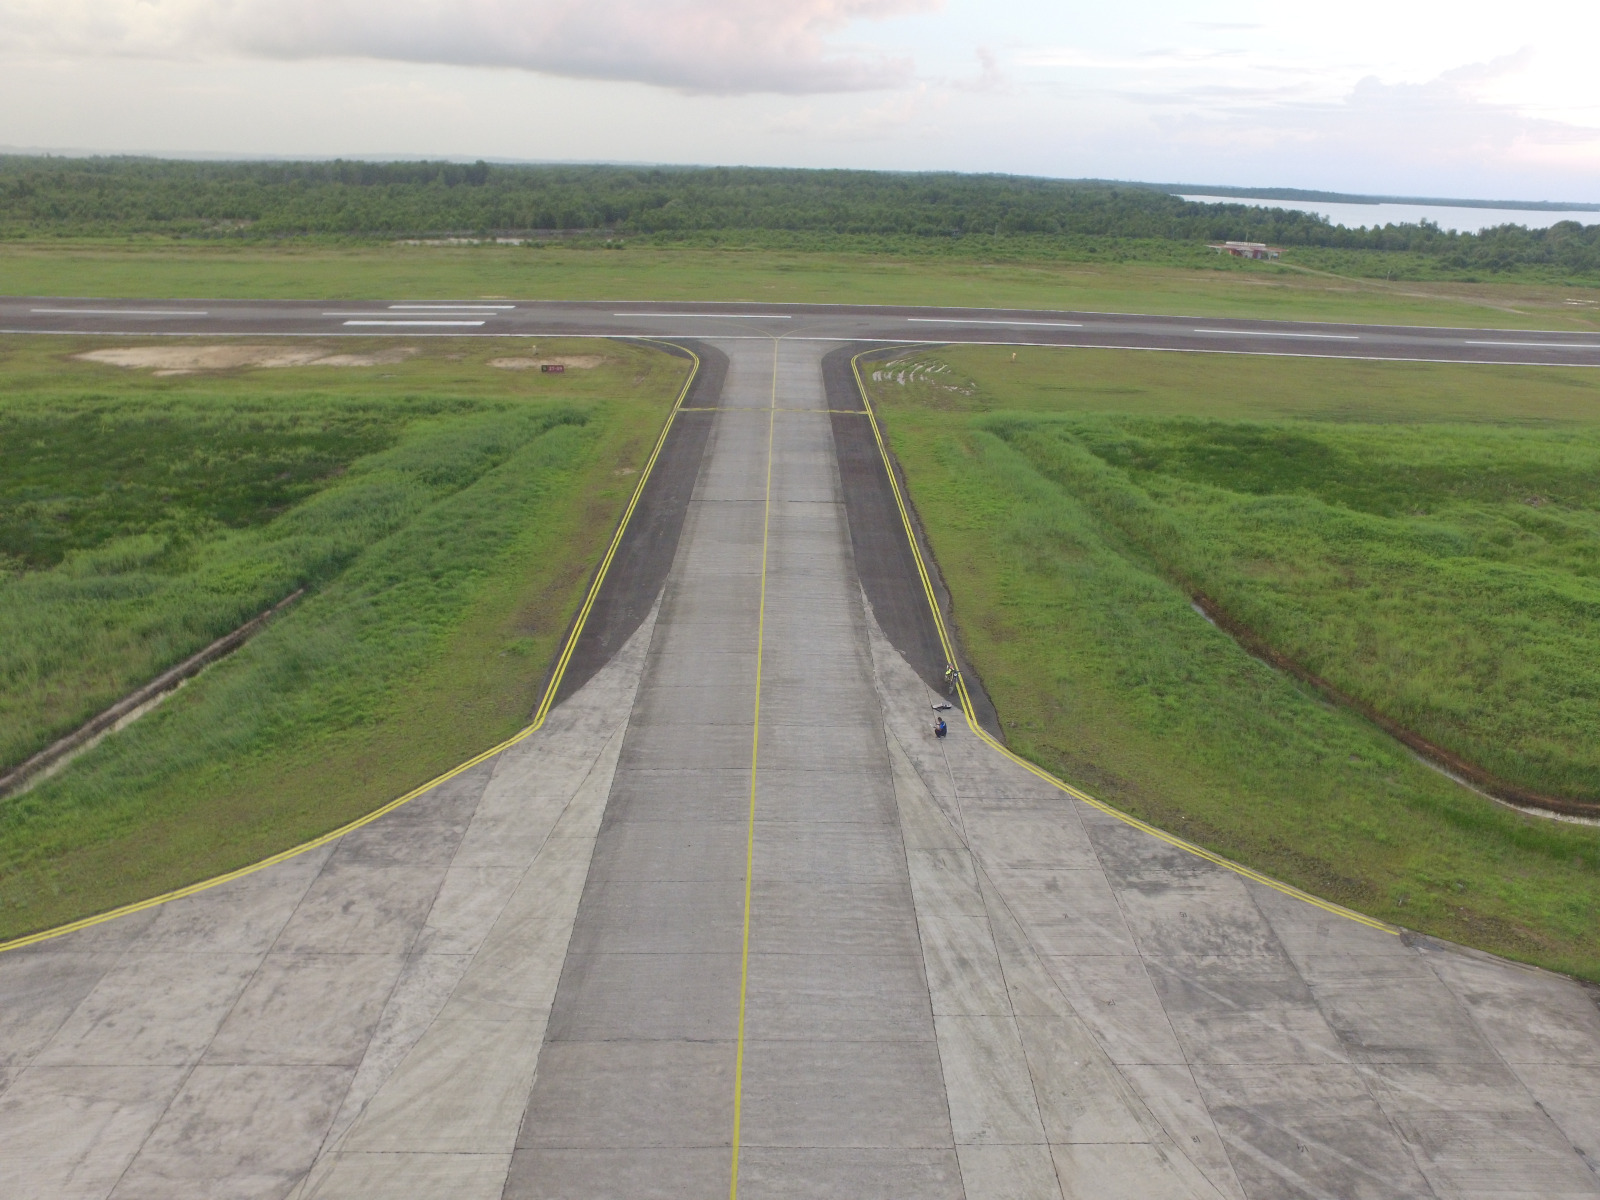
pixel 539 716
pixel 995 744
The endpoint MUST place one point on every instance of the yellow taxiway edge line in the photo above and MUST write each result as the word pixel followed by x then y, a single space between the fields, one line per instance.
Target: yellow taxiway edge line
pixel 1033 768
pixel 543 710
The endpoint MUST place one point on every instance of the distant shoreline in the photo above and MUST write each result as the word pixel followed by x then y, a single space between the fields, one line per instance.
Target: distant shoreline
pixel 1238 193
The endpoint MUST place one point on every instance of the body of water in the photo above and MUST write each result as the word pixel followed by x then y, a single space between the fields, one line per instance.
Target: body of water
pixel 1466 220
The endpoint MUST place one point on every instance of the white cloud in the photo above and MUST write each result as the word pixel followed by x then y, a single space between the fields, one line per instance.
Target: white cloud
pixel 695 46
pixel 1220 91
pixel 893 117
pixel 1454 120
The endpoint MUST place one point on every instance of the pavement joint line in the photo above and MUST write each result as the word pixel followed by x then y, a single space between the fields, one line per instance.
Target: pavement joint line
pixel 1039 772
pixel 755 753
pixel 527 731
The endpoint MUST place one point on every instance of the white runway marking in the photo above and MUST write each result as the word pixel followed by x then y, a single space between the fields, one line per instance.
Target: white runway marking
pixel 121 312
pixel 418 316
pixel 414 323
pixel 1541 345
pixel 450 307
pixel 729 316
pixel 983 321
pixel 1332 337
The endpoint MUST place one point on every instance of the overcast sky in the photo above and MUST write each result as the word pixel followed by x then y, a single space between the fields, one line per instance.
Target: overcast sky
pixel 1394 96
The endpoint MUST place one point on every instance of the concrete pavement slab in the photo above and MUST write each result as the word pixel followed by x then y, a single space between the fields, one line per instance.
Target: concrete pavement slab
pixel 1172 1094
pixel 44 986
pixel 1316 1130
pixel 244 916
pixel 1114 995
pixel 1246 1011
pixel 70 1132
pixel 1571 1096
pixel 1393 1009
pixel 645 1173
pixel 151 1009
pixel 461 1090
pixel 1475 1131
pixel 1528 1016
pixel 819 996
pixel 965 978
pixel 306 1009
pixel 1007 1172
pixel 992 1093
pixel 364 1175
pixel 845 1094
pixel 621 994
pixel 779 1173
pixel 468 903
pixel 260 1127
pixel 419 994
pixel 627 1095
pixel 362 907
pixel 1118 1171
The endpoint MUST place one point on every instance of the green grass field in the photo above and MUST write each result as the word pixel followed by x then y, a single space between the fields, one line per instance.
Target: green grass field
pixel 1209 286
pixel 1421 535
pixel 443 513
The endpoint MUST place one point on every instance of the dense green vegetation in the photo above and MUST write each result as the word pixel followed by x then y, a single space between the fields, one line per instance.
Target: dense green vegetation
pixel 1375 512
pixel 918 212
pixel 76 637
pixel 79 477
pixel 1449 577
pixel 443 515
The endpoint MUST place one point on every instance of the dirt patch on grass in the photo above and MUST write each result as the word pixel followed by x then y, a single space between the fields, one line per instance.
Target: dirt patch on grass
pixel 186 360
pixel 573 362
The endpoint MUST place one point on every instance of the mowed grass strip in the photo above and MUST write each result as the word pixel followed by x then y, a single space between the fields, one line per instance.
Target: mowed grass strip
pixel 443 570
pixel 1184 280
pixel 1066 590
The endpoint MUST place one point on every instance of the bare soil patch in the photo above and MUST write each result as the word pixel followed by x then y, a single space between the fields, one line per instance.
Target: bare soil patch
pixel 573 362
pixel 186 359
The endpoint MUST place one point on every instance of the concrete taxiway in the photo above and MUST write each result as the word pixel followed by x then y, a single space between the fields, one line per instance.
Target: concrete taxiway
pixel 734 921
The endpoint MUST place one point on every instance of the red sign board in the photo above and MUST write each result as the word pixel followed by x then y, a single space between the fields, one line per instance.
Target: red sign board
pixel 553 368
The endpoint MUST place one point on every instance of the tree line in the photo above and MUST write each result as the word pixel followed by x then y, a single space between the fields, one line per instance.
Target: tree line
pixel 109 196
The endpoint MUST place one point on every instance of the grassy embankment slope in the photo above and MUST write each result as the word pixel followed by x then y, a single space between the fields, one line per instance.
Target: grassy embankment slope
pixel 852 272
pixel 444 515
pixel 1421 535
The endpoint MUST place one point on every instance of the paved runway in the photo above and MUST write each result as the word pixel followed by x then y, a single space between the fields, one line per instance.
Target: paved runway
pixel 837 322
pixel 647 948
